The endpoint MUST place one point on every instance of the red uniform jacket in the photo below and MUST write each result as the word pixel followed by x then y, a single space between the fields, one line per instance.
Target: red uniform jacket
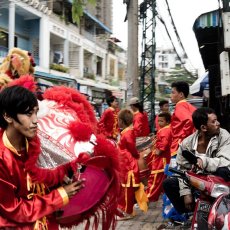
pixel 157 127
pixel 128 158
pixel 181 123
pixel 108 124
pixel 141 124
pixel 20 208
pixel 163 142
pixel 158 163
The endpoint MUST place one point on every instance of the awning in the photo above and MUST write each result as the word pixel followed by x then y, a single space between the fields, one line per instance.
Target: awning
pixel 51 77
pixel 117 94
pixel 208 29
pixel 43 82
pixel 210 19
pixel 201 84
pixel 97 21
pixel 99 85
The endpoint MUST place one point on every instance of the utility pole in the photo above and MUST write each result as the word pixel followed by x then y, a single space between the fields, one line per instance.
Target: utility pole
pixel 147 81
pixel 50 4
pixel 11 24
pixel 132 54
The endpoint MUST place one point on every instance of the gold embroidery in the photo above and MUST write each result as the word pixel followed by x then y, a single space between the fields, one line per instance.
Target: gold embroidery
pixel 35 188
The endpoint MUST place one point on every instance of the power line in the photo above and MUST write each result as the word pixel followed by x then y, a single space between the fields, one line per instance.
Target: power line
pixel 175 30
pixel 180 59
pixel 177 35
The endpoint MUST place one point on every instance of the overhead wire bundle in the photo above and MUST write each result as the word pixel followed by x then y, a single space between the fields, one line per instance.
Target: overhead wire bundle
pixel 174 36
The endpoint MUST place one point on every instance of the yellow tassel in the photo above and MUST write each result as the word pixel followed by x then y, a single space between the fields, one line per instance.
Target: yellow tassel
pixel 142 198
pixel 37 189
pixel 30 184
pixel 41 224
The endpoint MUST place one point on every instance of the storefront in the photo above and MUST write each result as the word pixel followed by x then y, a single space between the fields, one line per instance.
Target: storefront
pixel 46 80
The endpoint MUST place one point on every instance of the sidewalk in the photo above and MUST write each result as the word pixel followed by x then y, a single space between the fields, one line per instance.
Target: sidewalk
pixel 144 221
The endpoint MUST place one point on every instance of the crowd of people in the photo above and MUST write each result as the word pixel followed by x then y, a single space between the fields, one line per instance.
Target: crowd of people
pixel 24 204
pixel 188 128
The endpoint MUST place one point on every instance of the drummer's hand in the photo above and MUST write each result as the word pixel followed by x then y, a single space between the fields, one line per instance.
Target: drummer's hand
pixel 73 188
pixel 199 163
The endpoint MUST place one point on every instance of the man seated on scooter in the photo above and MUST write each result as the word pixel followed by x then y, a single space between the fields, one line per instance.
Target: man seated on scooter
pixel 211 146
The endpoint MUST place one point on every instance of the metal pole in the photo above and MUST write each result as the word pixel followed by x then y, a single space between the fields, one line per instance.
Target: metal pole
pixel 132 53
pixel 11 24
pixel 147 77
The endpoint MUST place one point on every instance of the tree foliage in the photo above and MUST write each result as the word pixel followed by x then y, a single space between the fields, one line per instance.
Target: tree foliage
pixel 179 75
pixel 78 9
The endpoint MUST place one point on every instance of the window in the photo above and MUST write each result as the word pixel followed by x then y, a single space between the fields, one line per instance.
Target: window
pixel 4 39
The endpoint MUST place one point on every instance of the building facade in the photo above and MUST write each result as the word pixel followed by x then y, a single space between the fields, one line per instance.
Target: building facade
pixel 167 59
pixel 66 53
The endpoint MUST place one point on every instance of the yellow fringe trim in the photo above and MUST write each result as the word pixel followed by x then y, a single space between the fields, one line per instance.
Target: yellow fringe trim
pixel 39 189
pixel 142 198
pixel 130 178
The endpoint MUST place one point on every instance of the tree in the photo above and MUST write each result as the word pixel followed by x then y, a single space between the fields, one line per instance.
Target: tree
pixel 179 75
pixel 78 9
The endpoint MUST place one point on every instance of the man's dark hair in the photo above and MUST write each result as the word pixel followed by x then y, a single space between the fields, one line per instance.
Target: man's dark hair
pixel 126 116
pixel 163 102
pixel 181 87
pixel 167 116
pixel 15 100
pixel 110 100
pixel 139 106
pixel 200 116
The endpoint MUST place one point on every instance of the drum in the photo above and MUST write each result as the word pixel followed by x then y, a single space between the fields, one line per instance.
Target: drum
pixel 144 147
pixel 63 114
pixel 96 185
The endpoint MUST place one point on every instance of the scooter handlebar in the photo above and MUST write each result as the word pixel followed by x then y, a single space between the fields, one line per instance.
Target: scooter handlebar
pixel 190 157
pixel 179 172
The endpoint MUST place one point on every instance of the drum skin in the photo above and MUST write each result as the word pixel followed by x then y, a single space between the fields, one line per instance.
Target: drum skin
pixel 96 184
pixel 144 146
pixel 141 161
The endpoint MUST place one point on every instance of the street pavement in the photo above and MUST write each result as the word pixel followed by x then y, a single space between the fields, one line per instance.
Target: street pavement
pixel 142 221
pixel 150 220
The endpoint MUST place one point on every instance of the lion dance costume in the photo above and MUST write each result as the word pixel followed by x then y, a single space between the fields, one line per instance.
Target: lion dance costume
pixel 67 133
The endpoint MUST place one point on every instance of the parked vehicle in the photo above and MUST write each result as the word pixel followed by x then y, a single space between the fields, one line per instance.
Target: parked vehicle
pixel 196 102
pixel 212 195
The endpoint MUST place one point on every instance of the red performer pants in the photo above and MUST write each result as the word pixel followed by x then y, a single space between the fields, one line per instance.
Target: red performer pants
pixel 127 199
pixel 155 188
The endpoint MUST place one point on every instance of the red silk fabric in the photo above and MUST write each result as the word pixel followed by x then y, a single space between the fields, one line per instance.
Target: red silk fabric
pixel 181 124
pixel 141 124
pixel 108 124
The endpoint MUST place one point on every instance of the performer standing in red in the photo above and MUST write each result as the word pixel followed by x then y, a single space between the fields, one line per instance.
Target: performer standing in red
pixel 164 107
pixel 181 122
pixel 160 157
pixel 140 118
pixel 24 203
pixel 108 124
pixel 129 175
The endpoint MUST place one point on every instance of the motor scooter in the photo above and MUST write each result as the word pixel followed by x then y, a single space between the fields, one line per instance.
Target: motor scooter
pixel 212 197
